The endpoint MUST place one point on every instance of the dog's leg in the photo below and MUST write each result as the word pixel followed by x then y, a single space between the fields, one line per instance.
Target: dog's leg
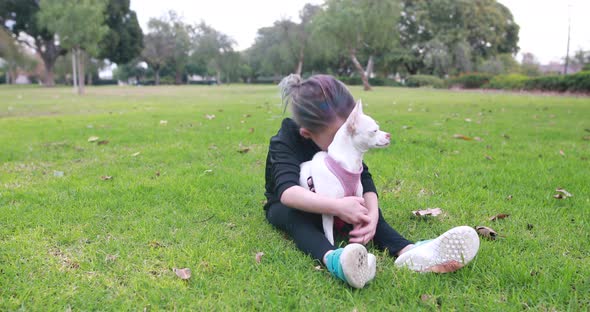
pixel 328 223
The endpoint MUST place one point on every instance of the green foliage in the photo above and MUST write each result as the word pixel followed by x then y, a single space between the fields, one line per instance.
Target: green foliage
pixel 356 81
pixel 124 40
pixel 424 81
pixel 579 82
pixel 508 82
pixel 79 24
pixel 2 77
pixel 471 80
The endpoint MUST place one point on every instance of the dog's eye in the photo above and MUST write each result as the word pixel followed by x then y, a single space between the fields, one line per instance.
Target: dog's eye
pixel 375 131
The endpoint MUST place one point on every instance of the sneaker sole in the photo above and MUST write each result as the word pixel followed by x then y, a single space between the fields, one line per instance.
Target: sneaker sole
pixel 454 249
pixel 354 265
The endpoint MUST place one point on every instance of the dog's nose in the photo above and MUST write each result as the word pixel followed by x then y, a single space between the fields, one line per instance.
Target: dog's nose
pixel 388 136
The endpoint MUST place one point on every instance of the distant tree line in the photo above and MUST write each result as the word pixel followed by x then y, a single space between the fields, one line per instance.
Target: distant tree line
pixel 360 40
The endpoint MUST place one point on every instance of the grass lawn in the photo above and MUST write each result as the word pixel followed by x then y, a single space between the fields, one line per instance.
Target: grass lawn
pixel 189 194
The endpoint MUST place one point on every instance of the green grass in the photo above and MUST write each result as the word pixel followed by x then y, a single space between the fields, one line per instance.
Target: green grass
pixel 84 243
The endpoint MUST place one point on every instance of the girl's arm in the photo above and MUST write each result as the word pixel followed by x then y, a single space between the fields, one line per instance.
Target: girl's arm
pixel 349 209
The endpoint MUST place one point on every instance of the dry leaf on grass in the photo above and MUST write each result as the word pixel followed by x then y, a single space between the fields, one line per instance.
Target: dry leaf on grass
pixel 183 273
pixel 259 256
pixel 499 216
pixel 110 258
pixel 251 130
pixel 163 122
pixel 462 137
pixel 561 153
pixel 106 177
pixel 486 232
pixel 93 139
pixel 428 212
pixel 135 154
pixel 58 174
pixel 103 142
pixel 509 197
pixel 562 193
pixel 243 150
pixel 488 157
pixel 209 116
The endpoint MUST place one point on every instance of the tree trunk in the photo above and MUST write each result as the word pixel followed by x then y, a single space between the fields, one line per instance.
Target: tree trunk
pixel 157 78
pixel 178 77
pixel 49 54
pixel 300 63
pixel 89 79
pixel 360 70
pixel 370 67
pixel 74 71
pixel 80 71
pixel 218 77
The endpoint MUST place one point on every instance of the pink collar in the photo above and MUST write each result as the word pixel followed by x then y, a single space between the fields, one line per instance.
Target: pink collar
pixel 349 180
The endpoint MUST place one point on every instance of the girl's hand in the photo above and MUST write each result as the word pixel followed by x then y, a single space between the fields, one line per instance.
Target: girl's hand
pixel 363 233
pixel 352 210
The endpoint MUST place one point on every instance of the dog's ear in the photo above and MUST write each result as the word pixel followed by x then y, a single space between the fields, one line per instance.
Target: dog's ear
pixel 351 121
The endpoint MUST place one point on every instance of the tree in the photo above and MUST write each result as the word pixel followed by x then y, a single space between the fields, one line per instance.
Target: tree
pixel 471 30
pixel 530 65
pixel 158 46
pixel 22 15
pixel 79 25
pixel 210 48
pixel 359 26
pixel 124 40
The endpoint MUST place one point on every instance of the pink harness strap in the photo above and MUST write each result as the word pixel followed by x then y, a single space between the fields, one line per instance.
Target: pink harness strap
pixel 348 180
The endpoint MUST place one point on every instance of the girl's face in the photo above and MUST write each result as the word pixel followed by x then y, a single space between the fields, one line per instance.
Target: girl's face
pixel 323 138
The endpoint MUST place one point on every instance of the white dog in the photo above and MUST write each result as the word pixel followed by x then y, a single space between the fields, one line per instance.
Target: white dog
pixel 337 173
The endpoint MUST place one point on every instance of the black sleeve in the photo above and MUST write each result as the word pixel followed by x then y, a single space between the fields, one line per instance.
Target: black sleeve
pixel 367 180
pixel 285 166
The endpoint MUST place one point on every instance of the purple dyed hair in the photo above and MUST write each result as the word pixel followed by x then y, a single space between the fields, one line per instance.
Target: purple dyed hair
pixel 317 101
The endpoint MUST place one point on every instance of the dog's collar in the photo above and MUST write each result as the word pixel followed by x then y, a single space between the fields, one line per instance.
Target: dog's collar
pixel 349 180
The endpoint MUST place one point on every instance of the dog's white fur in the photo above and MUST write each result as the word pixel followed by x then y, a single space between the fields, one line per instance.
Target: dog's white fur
pixel 355 137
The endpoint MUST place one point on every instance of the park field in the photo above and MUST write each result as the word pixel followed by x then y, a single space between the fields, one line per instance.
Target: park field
pixel 175 179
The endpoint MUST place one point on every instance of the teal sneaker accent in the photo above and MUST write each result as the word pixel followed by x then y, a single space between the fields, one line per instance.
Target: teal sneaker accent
pixel 333 264
pixel 416 244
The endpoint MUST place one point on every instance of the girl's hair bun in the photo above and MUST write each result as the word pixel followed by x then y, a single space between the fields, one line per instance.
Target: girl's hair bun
pixel 287 87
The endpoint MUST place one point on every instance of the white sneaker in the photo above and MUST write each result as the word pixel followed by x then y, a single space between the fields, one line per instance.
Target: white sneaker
pixel 352 264
pixel 372 265
pixel 446 253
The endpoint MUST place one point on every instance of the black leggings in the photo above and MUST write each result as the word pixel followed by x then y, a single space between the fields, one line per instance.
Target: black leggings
pixel 306 230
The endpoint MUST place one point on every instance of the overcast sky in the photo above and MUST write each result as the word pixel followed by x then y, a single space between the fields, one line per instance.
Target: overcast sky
pixel 543 23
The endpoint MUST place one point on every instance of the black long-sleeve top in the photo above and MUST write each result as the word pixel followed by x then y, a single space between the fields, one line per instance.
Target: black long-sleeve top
pixel 287 150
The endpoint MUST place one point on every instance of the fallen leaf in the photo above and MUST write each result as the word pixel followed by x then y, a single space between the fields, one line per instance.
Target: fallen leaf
pixel 183 273
pixel 156 244
pixel 103 142
pixel 247 115
pixel 259 256
pixel 207 171
pixel 462 137
pixel 163 122
pixel 506 136
pixel 564 192
pixel 486 232
pixel 468 119
pixel 158 173
pixel 110 258
pixel 406 127
pixel 561 153
pixel 509 197
pixel 209 116
pixel 135 154
pixel 244 150
pixel 499 216
pixel 478 139
pixel 428 212
pixel 488 157
pixel 586 138
pixel 425 297
pixel 251 130
pixel 559 196
pixel 106 177
pixel 318 268
pixel 58 174
pixel 93 139
pixel 213 147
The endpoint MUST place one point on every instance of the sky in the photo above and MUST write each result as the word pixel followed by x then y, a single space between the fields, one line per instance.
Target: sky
pixel 543 23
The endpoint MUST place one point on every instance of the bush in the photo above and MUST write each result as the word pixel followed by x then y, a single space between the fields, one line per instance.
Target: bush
pixel 424 81
pixel 105 82
pixel 2 78
pixel 508 82
pixel 579 82
pixel 472 80
pixel 546 83
pixel 351 81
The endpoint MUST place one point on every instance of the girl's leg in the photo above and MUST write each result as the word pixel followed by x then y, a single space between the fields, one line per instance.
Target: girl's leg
pixel 388 238
pixel 304 228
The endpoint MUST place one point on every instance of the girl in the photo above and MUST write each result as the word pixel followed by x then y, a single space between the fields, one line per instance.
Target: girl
pixel 320 105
